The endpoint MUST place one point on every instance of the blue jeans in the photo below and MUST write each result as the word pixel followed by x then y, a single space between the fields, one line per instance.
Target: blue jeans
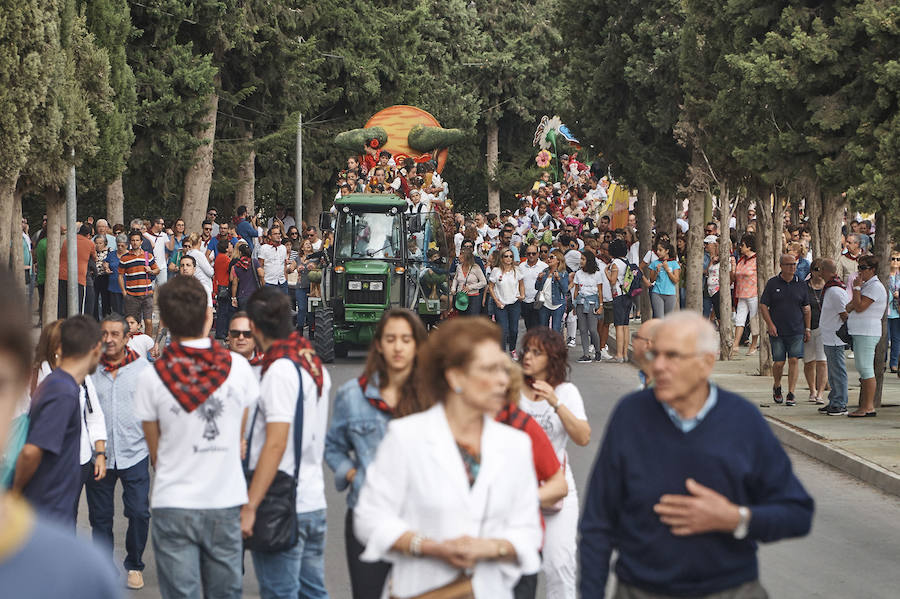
pixel 894 336
pixel 837 376
pixel 282 286
pixel 299 571
pixel 553 318
pixel 786 347
pixel 135 497
pixel 198 552
pixel 508 319
pixel 301 293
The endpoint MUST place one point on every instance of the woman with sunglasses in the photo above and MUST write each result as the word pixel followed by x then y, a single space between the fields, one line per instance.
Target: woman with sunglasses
pixel 558 407
pixel 894 309
pixel 362 410
pixel 865 311
pixel 507 288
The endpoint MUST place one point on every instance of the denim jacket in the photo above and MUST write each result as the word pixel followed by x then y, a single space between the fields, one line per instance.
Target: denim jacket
pixel 558 288
pixel 357 428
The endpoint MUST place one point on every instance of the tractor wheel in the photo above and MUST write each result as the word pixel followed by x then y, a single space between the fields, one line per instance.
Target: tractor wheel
pixel 324 335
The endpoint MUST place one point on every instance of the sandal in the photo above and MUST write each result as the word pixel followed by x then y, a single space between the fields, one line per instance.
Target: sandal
pixel 862 414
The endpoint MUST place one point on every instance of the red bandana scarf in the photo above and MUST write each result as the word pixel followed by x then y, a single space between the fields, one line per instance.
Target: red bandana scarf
pixel 130 356
pixel 192 374
pixel 256 359
pixel 377 403
pixel 298 350
pixel 835 281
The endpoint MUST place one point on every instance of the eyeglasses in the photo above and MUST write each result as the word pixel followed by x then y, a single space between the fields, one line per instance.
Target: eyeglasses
pixel 531 253
pixel 861 268
pixel 207 228
pixel 234 334
pixel 544 251
pixel 294 234
pixel 789 264
pixel 507 255
pixel 670 355
pixel 895 258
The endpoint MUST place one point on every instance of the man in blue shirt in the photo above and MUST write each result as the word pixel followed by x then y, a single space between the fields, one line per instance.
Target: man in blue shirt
pixel 127 458
pixel 784 305
pixel 246 228
pixel 687 471
pixel 48 470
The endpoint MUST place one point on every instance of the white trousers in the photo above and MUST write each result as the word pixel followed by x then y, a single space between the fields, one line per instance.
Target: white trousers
pixel 560 548
pixel 571 325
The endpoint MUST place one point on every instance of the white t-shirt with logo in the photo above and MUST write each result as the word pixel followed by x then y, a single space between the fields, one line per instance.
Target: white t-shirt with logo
pixel 506 284
pixel 589 282
pixel 277 403
pixel 198 461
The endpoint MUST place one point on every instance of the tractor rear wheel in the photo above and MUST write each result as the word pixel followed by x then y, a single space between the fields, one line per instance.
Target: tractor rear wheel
pixel 324 335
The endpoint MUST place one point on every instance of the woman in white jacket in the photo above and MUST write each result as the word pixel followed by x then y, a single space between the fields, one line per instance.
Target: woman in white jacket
pixel 451 493
pixel 93 424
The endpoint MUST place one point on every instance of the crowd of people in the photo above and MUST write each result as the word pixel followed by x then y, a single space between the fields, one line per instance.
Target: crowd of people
pixel 190 360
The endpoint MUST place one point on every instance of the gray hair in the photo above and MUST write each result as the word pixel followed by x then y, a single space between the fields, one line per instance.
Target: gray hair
pixel 136 223
pixel 707 338
pixel 116 317
pixel 122 238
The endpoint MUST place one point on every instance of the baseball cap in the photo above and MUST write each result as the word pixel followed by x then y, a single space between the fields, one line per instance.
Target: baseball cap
pixel 711 239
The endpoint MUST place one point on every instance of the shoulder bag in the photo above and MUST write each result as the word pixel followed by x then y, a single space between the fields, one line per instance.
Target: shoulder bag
pixel 275 528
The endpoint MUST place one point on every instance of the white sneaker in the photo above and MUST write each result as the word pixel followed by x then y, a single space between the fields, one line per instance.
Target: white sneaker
pixel 571 342
pixel 591 349
pixel 605 355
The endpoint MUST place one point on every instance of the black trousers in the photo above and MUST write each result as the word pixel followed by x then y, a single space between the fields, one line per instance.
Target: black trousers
pixel 526 588
pixel 531 316
pixel 366 578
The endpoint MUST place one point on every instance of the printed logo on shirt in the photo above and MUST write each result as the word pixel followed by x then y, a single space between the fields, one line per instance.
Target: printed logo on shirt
pixel 210 410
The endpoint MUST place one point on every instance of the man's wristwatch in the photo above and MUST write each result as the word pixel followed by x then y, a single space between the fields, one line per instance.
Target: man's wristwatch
pixel 99 453
pixel 743 527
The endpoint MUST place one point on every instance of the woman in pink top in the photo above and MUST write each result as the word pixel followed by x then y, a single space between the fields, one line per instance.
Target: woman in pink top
pixel 746 292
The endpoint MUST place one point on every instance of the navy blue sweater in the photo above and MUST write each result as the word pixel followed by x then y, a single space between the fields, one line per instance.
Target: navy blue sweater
pixel 644 456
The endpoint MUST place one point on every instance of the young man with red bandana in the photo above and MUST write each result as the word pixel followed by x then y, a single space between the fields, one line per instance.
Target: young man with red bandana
pixel 293 405
pixel 127 458
pixel 192 403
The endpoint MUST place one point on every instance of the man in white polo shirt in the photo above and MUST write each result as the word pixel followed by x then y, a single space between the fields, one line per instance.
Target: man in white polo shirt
pixel 531 268
pixel 274 259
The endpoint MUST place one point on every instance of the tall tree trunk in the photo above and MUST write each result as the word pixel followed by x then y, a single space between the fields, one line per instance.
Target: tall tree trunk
pixel 814 212
pixel 644 219
pixel 694 283
pixel 313 207
pixel 7 199
pixel 198 178
pixel 765 268
pixel 795 209
pixel 830 223
pixel 17 254
pixel 726 326
pixel 777 230
pixel 493 158
pixel 665 215
pixel 742 212
pixel 882 251
pixel 56 210
pixel 244 194
pixel 115 203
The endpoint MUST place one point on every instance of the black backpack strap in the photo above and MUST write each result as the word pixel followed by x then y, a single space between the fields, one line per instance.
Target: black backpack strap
pixel 298 423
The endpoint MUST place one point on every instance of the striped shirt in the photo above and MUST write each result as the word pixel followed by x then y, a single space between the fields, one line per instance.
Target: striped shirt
pixel 132 268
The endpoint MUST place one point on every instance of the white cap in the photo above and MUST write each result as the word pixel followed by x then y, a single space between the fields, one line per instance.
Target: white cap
pixel 711 239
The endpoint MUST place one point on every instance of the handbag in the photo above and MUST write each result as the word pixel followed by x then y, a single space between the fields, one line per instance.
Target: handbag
pixel 844 334
pixel 275 528
pixel 461 588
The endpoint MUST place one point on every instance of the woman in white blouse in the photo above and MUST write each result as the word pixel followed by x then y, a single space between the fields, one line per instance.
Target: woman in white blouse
pixel 451 493
pixel 507 287
pixel 865 312
pixel 203 270
pixel 557 406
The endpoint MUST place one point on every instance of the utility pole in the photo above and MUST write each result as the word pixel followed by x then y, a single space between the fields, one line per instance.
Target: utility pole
pixel 71 242
pixel 298 175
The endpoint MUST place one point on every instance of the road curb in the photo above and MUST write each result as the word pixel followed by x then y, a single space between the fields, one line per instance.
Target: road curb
pixel 819 448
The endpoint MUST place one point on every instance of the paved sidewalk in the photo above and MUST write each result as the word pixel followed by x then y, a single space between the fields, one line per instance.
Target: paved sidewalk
pixel 868 448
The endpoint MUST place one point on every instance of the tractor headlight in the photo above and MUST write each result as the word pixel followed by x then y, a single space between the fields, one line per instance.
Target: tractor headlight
pixel 376 286
pixel 354 285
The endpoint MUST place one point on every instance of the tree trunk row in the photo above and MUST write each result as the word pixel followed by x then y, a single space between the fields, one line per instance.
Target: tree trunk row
pixel 56 207
pixel 765 270
pixel 644 221
pixel 198 178
pixel 726 325
pixel 493 157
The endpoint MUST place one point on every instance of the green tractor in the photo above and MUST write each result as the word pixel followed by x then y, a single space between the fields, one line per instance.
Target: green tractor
pixel 381 258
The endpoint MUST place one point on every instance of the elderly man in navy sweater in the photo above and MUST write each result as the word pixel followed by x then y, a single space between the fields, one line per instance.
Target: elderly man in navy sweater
pixel 689 478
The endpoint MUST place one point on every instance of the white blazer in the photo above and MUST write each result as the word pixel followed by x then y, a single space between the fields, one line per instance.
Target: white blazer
pixel 418 483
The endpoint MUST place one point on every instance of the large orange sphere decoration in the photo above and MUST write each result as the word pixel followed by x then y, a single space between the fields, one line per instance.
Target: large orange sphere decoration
pixel 397 122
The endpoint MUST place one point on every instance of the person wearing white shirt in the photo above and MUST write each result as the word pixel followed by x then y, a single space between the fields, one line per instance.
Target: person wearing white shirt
pixel 450 488
pixel 158 240
pixel 289 396
pixel 274 259
pixel 507 288
pixel 831 317
pixel 191 404
pixel 531 268
pixel 203 270
pixel 866 311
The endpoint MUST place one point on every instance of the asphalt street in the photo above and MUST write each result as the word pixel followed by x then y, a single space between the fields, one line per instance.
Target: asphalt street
pixel 852 551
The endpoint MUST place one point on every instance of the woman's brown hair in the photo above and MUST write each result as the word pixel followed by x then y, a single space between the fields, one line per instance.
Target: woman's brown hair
pixel 46 349
pixel 554 346
pixel 450 346
pixel 409 402
pixel 561 260
pixel 466 258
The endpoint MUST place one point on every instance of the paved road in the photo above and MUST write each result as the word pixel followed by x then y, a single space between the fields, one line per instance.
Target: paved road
pixel 852 551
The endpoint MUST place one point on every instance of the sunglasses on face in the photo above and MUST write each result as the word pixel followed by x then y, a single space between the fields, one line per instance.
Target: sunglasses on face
pixel 531 253
pixel 895 258
pixel 234 334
